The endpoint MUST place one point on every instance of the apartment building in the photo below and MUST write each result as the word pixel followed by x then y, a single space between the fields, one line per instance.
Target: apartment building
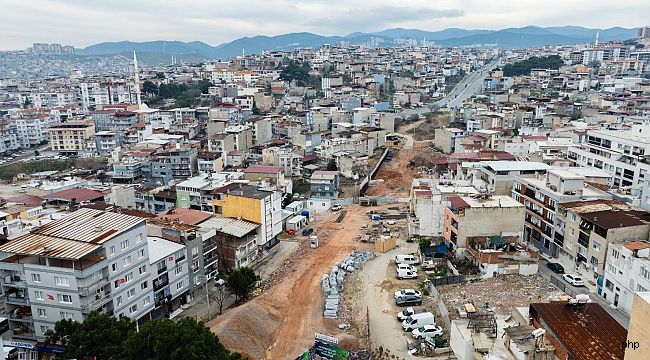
pixel 445 139
pixel 170 276
pixel 196 192
pixel 235 242
pixel 90 260
pixel 247 202
pixel 627 272
pixel 591 226
pixel 178 162
pixel 116 120
pixel 621 153
pixel 324 185
pixel 31 128
pixel 541 195
pixel 498 176
pixel 481 215
pixel 72 137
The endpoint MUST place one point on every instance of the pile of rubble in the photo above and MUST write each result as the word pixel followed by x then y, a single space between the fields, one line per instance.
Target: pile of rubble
pixel 287 266
pixel 332 283
pixel 499 295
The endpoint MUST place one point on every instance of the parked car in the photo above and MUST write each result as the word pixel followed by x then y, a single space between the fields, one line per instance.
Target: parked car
pixel 407 292
pixel 291 232
pixel 307 232
pixel 431 330
pixel 574 280
pixel 406 267
pixel 390 222
pixel 407 259
pixel 405 274
pixel 555 267
pixel 418 320
pixel 402 315
pixel 408 300
pixel 337 207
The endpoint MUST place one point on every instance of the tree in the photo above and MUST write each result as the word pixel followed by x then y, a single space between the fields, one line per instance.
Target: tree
pixel 101 336
pixel 242 282
pixel 296 71
pixel 331 165
pixel 150 88
pixel 425 242
pixel 169 340
pixel 36 153
pixel 523 67
pixel 220 297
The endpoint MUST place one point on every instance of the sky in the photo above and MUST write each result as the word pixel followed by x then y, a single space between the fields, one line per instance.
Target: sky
pixel 86 22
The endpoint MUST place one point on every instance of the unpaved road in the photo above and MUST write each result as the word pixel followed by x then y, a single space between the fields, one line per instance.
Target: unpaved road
pixel 280 324
pixel 397 176
pixel 379 285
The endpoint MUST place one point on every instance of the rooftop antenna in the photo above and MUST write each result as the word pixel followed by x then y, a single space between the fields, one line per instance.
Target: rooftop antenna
pixel 137 79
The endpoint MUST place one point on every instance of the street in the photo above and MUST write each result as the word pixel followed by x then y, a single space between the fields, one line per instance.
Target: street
pixel 571 290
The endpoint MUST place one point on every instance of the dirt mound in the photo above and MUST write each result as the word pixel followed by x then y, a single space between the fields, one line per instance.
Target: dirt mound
pixel 249 328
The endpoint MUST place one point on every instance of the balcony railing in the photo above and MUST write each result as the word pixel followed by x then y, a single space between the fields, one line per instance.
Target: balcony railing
pixel 23 300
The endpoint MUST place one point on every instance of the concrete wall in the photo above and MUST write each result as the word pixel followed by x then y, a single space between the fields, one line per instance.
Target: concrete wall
pixel 639 329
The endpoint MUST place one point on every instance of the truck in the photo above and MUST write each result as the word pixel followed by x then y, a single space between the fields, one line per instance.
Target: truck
pixel 418 320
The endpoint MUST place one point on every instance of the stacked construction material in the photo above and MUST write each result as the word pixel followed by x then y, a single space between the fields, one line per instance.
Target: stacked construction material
pixel 332 283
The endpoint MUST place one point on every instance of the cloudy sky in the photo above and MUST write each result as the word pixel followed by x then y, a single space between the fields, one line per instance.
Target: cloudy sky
pixel 84 22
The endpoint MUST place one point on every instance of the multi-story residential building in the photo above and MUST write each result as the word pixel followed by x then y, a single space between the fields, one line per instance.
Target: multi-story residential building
pixel 445 139
pixel 234 244
pixel 483 215
pixel 72 137
pixel 324 185
pixel 106 141
pixel 113 120
pixel 272 175
pixel 170 276
pixel 154 199
pixel 127 172
pixel 498 176
pixel 591 226
pixel 197 192
pixel 177 162
pixel 95 94
pixel 621 153
pixel 541 196
pixel 627 272
pixel 89 260
pixel 247 202
pixel 31 128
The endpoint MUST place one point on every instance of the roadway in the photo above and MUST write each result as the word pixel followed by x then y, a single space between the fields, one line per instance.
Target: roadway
pixel 469 86
pixel 571 290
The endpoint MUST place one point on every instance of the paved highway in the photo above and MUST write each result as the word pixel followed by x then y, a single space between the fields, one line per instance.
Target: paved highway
pixel 470 85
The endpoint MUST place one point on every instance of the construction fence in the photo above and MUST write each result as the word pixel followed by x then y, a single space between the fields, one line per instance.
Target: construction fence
pixel 442 308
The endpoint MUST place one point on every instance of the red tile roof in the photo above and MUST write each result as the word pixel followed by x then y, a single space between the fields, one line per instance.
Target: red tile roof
pixel 78 195
pixel 25 199
pixel 458 202
pixel 637 245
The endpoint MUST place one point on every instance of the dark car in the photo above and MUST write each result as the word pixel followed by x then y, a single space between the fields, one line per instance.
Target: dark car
pixel 555 267
pixel 408 300
pixel 307 232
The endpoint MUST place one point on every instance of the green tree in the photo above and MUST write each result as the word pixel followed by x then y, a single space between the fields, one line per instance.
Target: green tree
pixel 150 88
pixel 204 86
pixel 242 282
pixel 523 67
pixel 425 242
pixel 331 165
pixel 165 339
pixel 36 153
pixel 296 71
pixel 101 336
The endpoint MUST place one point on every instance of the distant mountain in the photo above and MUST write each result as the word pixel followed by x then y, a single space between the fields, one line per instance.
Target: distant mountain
pixel 528 36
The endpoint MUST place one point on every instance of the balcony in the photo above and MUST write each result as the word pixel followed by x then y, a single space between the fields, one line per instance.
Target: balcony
pixel 98 301
pixel 162 269
pixel 87 290
pixel 160 282
pixel 16 299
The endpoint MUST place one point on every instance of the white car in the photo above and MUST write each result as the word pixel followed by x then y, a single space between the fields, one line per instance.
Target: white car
pixel 390 222
pixel 337 207
pixel 430 330
pixel 406 267
pixel 574 280
pixel 405 292
pixel 405 274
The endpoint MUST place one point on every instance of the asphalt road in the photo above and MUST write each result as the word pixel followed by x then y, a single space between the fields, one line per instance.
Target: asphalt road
pixel 470 85
pixel 619 316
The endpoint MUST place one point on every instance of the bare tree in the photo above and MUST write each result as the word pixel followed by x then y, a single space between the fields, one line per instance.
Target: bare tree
pixel 220 296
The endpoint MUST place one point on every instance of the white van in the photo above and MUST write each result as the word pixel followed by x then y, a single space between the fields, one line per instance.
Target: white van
pixel 407 259
pixel 406 274
pixel 418 320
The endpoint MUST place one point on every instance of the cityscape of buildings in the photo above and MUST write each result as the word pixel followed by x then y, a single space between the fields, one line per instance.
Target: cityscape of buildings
pixel 133 190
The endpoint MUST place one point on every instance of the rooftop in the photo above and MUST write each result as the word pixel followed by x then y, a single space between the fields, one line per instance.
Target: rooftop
pixel 186 216
pixel 160 248
pixel 78 195
pixel 230 226
pixel 263 169
pixel 515 165
pixel 587 332
pixel 492 201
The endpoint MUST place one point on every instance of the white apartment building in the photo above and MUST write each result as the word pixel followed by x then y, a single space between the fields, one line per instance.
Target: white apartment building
pixel 90 260
pixel 627 271
pixel 170 276
pixel 621 153
pixel 32 130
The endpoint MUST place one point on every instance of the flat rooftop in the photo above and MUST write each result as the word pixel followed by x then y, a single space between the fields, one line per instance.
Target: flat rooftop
pixel 160 248
pixel 515 165
pixel 493 201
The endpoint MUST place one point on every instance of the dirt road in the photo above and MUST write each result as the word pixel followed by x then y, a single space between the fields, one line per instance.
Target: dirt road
pixel 280 324
pixel 397 176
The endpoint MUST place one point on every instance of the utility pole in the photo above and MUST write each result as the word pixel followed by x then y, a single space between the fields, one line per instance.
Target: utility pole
pixel 207 297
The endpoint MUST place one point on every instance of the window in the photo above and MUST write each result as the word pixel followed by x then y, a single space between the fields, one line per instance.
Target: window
pixel 116 283
pixel 178 270
pixel 195 265
pixel 42 313
pixel 640 288
pixel 195 252
pixel 61 281
pixel 128 277
pixel 114 267
pixel 138 239
pixel 130 293
pixel 64 298
pixel 119 300
pixel 142 269
pixel 112 250
pixel 127 261
pixel 161 266
pixel 179 285
pixel 141 254
pixel 573 232
pixel 36 277
pixel 645 273
pixel 611 268
pixel 596 246
pixel 144 285
pixel 124 244
pixel 39 295
pixel 44 329
pixel 146 301
pixel 66 315
pixel 133 309
pixel 97 274
pixel 573 217
pixel 615 253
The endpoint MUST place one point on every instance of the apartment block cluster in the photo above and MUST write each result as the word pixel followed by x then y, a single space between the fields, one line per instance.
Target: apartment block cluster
pixel 553 163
